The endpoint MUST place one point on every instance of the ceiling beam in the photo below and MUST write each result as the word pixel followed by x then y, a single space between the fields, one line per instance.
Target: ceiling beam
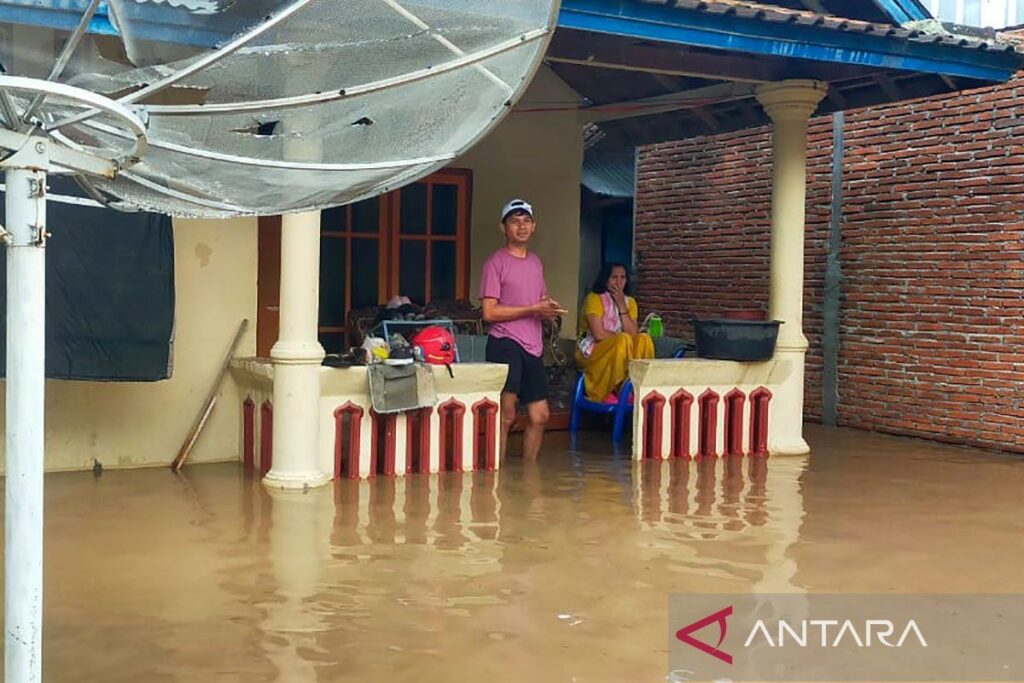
pixel 707 118
pixel 752 115
pixel 660 104
pixel 835 97
pixel 815 6
pixel 573 47
pixel 889 86
pixel 670 83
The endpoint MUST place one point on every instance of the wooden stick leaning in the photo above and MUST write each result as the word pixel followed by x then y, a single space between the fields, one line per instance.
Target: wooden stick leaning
pixel 210 402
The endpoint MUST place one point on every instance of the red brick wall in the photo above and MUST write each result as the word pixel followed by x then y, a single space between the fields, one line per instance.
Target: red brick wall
pixel 932 331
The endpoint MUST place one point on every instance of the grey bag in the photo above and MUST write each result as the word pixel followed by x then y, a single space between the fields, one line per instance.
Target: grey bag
pixel 472 348
pixel 396 388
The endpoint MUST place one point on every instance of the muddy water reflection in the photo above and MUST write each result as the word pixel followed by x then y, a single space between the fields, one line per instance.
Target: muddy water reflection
pixel 551 572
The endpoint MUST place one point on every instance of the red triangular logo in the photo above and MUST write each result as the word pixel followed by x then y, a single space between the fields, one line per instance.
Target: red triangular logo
pixel 683 634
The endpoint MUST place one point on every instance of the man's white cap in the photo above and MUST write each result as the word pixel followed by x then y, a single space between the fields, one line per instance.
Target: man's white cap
pixel 516 205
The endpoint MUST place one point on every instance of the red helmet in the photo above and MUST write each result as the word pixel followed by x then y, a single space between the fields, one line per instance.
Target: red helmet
pixel 437 344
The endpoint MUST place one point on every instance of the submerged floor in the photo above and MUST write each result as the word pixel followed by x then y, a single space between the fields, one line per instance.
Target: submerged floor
pixel 552 572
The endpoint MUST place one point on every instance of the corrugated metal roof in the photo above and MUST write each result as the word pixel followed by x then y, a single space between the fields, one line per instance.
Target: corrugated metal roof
pixel 609 173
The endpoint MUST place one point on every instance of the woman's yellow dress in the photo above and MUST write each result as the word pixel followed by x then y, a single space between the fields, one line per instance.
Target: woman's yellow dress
pixel 608 365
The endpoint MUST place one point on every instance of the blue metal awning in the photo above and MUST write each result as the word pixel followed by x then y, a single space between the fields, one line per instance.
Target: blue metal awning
pixel 777 32
pixel 627 56
pixel 717 24
pixel 154 21
pixel 56 14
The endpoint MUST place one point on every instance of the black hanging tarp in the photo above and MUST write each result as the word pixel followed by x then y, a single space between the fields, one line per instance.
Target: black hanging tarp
pixel 109 291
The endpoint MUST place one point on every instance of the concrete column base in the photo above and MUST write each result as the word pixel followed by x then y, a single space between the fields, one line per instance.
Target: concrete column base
pixel 786 431
pixel 797 446
pixel 295 480
pixel 296 435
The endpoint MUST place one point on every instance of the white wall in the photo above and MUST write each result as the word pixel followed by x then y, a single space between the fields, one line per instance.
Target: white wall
pixel 143 424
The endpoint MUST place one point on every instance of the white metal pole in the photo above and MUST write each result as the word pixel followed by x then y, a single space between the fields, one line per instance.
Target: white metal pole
pixel 26 309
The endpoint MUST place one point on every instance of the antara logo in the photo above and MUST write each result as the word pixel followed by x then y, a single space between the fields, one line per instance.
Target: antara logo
pixel 831 632
pixel 683 634
pixel 879 629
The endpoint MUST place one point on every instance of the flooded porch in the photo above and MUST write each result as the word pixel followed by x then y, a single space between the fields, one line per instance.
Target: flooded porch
pixel 556 571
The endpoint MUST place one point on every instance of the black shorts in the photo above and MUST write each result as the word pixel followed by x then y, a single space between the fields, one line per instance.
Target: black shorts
pixel 527 377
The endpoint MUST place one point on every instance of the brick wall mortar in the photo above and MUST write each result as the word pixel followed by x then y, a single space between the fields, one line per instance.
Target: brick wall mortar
pixel 932 315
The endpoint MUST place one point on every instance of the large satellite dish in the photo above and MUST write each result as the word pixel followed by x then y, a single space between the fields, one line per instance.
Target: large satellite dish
pixel 217 108
pixel 269 106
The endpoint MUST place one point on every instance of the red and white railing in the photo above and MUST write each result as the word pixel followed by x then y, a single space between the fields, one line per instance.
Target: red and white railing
pixel 459 434
pixel 696 408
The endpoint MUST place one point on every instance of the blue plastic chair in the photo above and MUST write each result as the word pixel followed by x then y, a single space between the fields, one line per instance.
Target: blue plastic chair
pixel 619 410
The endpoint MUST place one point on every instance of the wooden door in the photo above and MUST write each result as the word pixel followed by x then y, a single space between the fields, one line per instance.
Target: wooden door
pixel 268 283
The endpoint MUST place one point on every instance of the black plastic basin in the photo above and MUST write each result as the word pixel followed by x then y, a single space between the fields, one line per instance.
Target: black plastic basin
pixel 746 340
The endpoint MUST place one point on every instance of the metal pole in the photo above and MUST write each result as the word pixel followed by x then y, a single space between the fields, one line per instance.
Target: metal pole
pixel 26 309
pixel 833 285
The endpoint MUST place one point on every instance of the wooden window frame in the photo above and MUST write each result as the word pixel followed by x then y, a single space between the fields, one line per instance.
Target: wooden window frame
pixel 348 235
pixel 464 179
pixel 388 237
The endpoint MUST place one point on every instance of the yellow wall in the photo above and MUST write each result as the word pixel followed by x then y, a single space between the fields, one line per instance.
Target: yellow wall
pixel 538 157
pixel 143 424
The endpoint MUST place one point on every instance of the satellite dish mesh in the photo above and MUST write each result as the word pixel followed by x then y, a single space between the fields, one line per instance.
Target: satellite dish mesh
pixel 270 106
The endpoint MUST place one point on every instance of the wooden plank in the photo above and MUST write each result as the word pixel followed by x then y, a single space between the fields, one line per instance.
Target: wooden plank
pixel 210 402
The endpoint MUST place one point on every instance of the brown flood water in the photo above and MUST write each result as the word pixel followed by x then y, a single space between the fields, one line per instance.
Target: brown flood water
pixel 558 571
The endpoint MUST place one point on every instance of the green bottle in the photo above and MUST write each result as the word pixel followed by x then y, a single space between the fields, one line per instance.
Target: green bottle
pixel 654 325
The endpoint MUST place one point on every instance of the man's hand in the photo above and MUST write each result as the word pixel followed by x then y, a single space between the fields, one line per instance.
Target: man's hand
pixel 548 308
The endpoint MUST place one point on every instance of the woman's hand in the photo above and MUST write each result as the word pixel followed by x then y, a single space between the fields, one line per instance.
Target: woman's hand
pixel 629 325
pixel 619 297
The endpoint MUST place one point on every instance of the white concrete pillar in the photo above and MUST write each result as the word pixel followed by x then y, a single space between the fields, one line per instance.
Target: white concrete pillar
pixel 790 105
pixel 297 353
pixel 296 357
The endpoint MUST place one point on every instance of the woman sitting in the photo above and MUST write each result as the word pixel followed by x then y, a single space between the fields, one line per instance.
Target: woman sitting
pixel 609 335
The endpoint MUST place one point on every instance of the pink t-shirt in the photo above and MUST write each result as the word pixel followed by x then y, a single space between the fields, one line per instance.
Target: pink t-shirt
pixel 515 281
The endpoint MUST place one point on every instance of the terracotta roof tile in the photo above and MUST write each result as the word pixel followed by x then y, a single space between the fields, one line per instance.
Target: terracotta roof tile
pixel 783 15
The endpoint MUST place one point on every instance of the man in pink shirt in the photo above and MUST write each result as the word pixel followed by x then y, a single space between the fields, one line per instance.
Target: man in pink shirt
pixel 515 300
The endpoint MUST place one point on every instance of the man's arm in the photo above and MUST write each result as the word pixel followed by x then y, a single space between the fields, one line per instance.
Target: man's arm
pixel 493 312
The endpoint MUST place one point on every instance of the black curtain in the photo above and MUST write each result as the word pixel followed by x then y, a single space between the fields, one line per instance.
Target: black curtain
pixel 109 291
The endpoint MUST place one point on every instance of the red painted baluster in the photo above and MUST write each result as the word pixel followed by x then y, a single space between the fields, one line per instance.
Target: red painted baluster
pixel 682 405
pixel 456 411
pixel 760 399
pixel 707 441
pixel 347 463
pixel 653 406
pixel 734 402
pixel 248 434
pixel 485 416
